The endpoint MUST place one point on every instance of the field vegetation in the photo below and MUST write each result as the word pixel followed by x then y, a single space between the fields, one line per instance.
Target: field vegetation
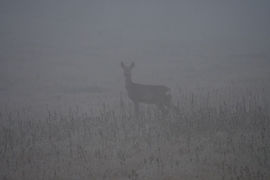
pixel 220 133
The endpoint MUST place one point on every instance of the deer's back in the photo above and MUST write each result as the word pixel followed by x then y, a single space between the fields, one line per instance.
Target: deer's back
pixel 149 94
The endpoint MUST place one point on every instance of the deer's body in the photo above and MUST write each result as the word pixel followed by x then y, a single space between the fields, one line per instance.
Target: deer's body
pixel 148 94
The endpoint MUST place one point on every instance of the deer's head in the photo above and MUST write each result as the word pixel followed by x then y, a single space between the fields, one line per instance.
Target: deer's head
pixel 127 70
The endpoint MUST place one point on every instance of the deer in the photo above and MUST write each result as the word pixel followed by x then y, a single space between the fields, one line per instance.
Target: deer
pixel 148 94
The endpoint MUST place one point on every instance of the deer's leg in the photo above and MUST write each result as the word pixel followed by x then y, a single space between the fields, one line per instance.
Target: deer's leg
pixel 169 104
pixel 136 108
pixel 173 107
pixel 161 107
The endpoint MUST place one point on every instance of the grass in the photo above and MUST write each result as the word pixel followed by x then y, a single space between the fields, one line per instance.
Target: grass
pixel 219 134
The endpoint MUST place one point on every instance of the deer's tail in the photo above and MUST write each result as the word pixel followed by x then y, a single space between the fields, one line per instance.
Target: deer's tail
pixel 168 94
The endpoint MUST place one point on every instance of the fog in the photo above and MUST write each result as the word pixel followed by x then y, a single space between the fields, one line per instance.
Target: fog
pixel 56 55
pixel 54 46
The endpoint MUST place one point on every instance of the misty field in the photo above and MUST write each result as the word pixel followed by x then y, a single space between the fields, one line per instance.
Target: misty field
pixel 220 133
pixel 64 110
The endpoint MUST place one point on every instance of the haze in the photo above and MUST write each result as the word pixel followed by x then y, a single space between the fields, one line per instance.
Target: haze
pixel 64 108
pixel 50 48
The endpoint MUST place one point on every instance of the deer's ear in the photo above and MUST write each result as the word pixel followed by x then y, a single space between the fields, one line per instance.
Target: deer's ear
pixel 132 65
pixel 123 65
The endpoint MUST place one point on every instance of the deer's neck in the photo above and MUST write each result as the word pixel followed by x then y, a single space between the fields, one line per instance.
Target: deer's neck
pixel 128 83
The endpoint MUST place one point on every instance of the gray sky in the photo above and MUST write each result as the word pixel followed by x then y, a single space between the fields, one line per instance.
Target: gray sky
pixel 59 39
pixel 55 50
pixel 46 20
